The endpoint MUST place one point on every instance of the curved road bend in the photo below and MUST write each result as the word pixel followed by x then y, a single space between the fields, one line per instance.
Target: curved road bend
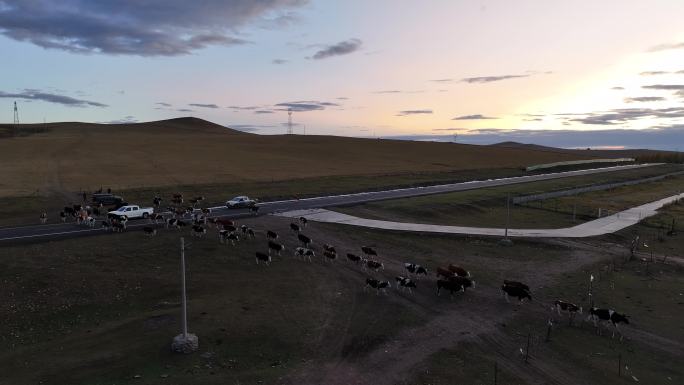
pixel 64 230
pixel 601 226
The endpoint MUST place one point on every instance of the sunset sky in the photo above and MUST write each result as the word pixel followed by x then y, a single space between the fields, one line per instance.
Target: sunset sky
pixel 359 68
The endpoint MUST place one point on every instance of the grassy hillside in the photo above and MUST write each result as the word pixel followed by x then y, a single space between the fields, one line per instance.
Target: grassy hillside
pixel 62 157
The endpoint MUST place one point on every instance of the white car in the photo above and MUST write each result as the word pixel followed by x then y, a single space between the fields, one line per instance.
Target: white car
pixel 241 201
pixel 132 211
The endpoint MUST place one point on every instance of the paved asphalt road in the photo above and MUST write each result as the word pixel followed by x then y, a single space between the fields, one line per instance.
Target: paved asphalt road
pixel 63 230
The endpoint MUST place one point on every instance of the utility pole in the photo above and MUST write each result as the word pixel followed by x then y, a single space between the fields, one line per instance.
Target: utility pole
pixel 289 121
pixel 184 342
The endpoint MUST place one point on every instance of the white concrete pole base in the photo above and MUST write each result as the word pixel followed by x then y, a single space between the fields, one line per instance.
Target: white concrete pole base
pixel 183 344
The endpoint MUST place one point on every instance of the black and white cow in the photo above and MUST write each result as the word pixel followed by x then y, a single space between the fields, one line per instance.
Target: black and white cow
pixel 306 241
pixel 250 233
pixel 515 291
pixel 369 251
pixel 156 201
pixel 405 283
pixel 118 227
pixel 225 235
pixel 172 222
pixel 330 255
pixel 254 210
pixel 607 316
pixel 568 308
pixel 244 228
pixel 43 218
pixel 303 221
pixel 155 218
pixel 329 248
pixel 277 247
pixel 181 223
pixel 271 235
pixel 374 265
pixel 198 231
pixel 149 230
pixel 294 227
pixel 266 258
pixel 415 269
pixel 379 286
pixel 304 253
pixel 106 225
pixel 353 258
pixel 62 216
pixel 90 222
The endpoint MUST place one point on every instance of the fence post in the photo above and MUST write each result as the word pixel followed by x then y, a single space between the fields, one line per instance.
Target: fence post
pixel 527 349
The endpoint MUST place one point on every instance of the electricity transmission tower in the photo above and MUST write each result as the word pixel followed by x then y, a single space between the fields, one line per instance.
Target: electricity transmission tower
pixel 16 114
pixel 16 120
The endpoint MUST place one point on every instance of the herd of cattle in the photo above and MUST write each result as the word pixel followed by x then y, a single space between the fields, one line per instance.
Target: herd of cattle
pixel 451 278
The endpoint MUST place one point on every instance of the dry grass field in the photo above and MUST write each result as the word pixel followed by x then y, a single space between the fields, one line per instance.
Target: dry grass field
pixel 68 157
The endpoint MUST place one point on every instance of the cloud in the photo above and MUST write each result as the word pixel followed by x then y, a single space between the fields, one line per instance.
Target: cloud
pixel 305 105
pixel 387 92
pixel 203 105
pixel 133 27
pixel 342 98
pixel 680 72
pixel 185 110
pixel 413 112
pixel 442 80
pixel 624 115
pixel 473 117
pixel 652 73
pixel 489 79
pixel 127 119
pixel 645 99
pixel 163 104
pixel 667 87
pixel 279 61
pixel 263 112
pixel 30 94
pixel 449 129
pixel 246 108
pixel 341 48
pixel 618 88
pixel 663 47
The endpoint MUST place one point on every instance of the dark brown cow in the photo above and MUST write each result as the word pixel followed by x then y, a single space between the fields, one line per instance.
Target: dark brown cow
pixel 442 272
pixel 458 270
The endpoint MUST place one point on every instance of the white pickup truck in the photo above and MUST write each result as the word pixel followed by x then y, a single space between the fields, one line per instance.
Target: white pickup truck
pixel 132 211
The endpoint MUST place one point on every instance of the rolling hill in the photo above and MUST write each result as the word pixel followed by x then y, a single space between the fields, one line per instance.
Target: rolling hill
pixel 72 156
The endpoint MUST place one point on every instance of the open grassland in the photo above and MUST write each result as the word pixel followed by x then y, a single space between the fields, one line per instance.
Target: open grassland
pixel 73 156
pixel 103 310
pixel 487 207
